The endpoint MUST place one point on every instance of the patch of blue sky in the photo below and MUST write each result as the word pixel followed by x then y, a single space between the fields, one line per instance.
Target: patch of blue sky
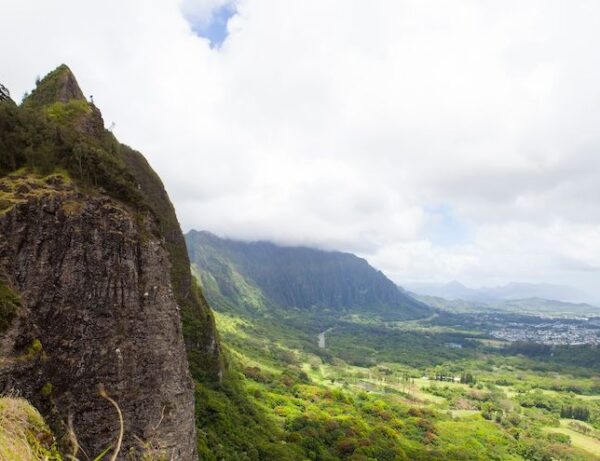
pixel 215 30
pixel 444 228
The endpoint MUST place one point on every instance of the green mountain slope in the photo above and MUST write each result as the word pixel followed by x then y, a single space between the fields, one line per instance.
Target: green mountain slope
pixel 261 275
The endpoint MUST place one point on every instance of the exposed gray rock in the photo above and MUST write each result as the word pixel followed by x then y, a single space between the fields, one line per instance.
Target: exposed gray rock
pixel 95 290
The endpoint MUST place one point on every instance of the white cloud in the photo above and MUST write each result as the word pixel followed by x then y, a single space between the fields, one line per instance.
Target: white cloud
pixel 341 123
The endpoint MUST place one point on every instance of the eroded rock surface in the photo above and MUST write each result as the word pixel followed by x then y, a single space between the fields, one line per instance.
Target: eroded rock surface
pixel 97 307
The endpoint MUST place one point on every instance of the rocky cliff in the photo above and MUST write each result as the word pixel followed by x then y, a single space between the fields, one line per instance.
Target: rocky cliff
pixel 96 281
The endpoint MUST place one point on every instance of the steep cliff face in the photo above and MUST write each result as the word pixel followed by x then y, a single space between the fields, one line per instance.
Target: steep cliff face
pixel 94 262
pixel 96 308
pixel 204 354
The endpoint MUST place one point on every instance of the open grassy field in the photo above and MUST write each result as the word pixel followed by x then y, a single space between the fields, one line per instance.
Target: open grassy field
pixel 579 440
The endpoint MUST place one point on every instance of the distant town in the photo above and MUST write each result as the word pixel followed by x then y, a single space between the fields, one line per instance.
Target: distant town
pixel 552 331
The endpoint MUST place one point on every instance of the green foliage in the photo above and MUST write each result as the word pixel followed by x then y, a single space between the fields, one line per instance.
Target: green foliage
pixel 27 139
pixel 467 378
pixel 67 112
pixel 46 389
pixel 475 440
pixel 538 399
pixel 231 427
pixel 366 345
pixel 35 348
pixel 289 278
pixel 9 306
pixel 365 397
pixel 585 356
pixel 24 435
pixel 44 143
pixel 582 413
pixel 199 331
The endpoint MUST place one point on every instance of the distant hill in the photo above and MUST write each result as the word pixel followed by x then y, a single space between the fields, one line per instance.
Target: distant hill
pixel 533 306
pixel 549 306
pixel 452 290
pixel 511 291
pixel 262 275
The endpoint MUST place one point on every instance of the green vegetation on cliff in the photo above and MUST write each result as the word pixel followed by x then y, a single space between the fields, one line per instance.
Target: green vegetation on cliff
pixel 43 141
pixel 9 304
pixel 24 435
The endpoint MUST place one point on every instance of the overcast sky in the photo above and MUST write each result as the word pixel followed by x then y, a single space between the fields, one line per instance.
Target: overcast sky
pixel 441 140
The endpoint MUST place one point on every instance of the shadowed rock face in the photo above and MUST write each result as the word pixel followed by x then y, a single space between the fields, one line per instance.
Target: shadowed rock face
pixel 96 294
pixel 68 88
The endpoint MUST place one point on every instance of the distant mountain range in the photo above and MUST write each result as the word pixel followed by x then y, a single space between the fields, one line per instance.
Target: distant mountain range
pixel 262 275
pixel 510 291
pixel 525 298
pixel 529 306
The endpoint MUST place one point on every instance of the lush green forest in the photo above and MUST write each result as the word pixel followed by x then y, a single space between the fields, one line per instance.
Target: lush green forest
pixel 345 385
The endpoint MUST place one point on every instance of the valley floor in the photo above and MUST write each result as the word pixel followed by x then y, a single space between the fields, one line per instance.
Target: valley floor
pixel 361 389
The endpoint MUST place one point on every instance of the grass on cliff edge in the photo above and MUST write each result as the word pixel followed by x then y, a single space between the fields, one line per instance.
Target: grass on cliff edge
pixel 24 435
pixel 9 304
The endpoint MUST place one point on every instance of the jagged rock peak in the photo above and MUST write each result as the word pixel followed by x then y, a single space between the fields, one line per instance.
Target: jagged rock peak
pixel 59 95
pixel 60 85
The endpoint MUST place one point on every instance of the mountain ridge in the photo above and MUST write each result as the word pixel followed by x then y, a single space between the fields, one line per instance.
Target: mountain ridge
pixel 298 277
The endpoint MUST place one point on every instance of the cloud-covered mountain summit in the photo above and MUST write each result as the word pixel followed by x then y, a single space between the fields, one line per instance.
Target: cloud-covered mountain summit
pixel 259 275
